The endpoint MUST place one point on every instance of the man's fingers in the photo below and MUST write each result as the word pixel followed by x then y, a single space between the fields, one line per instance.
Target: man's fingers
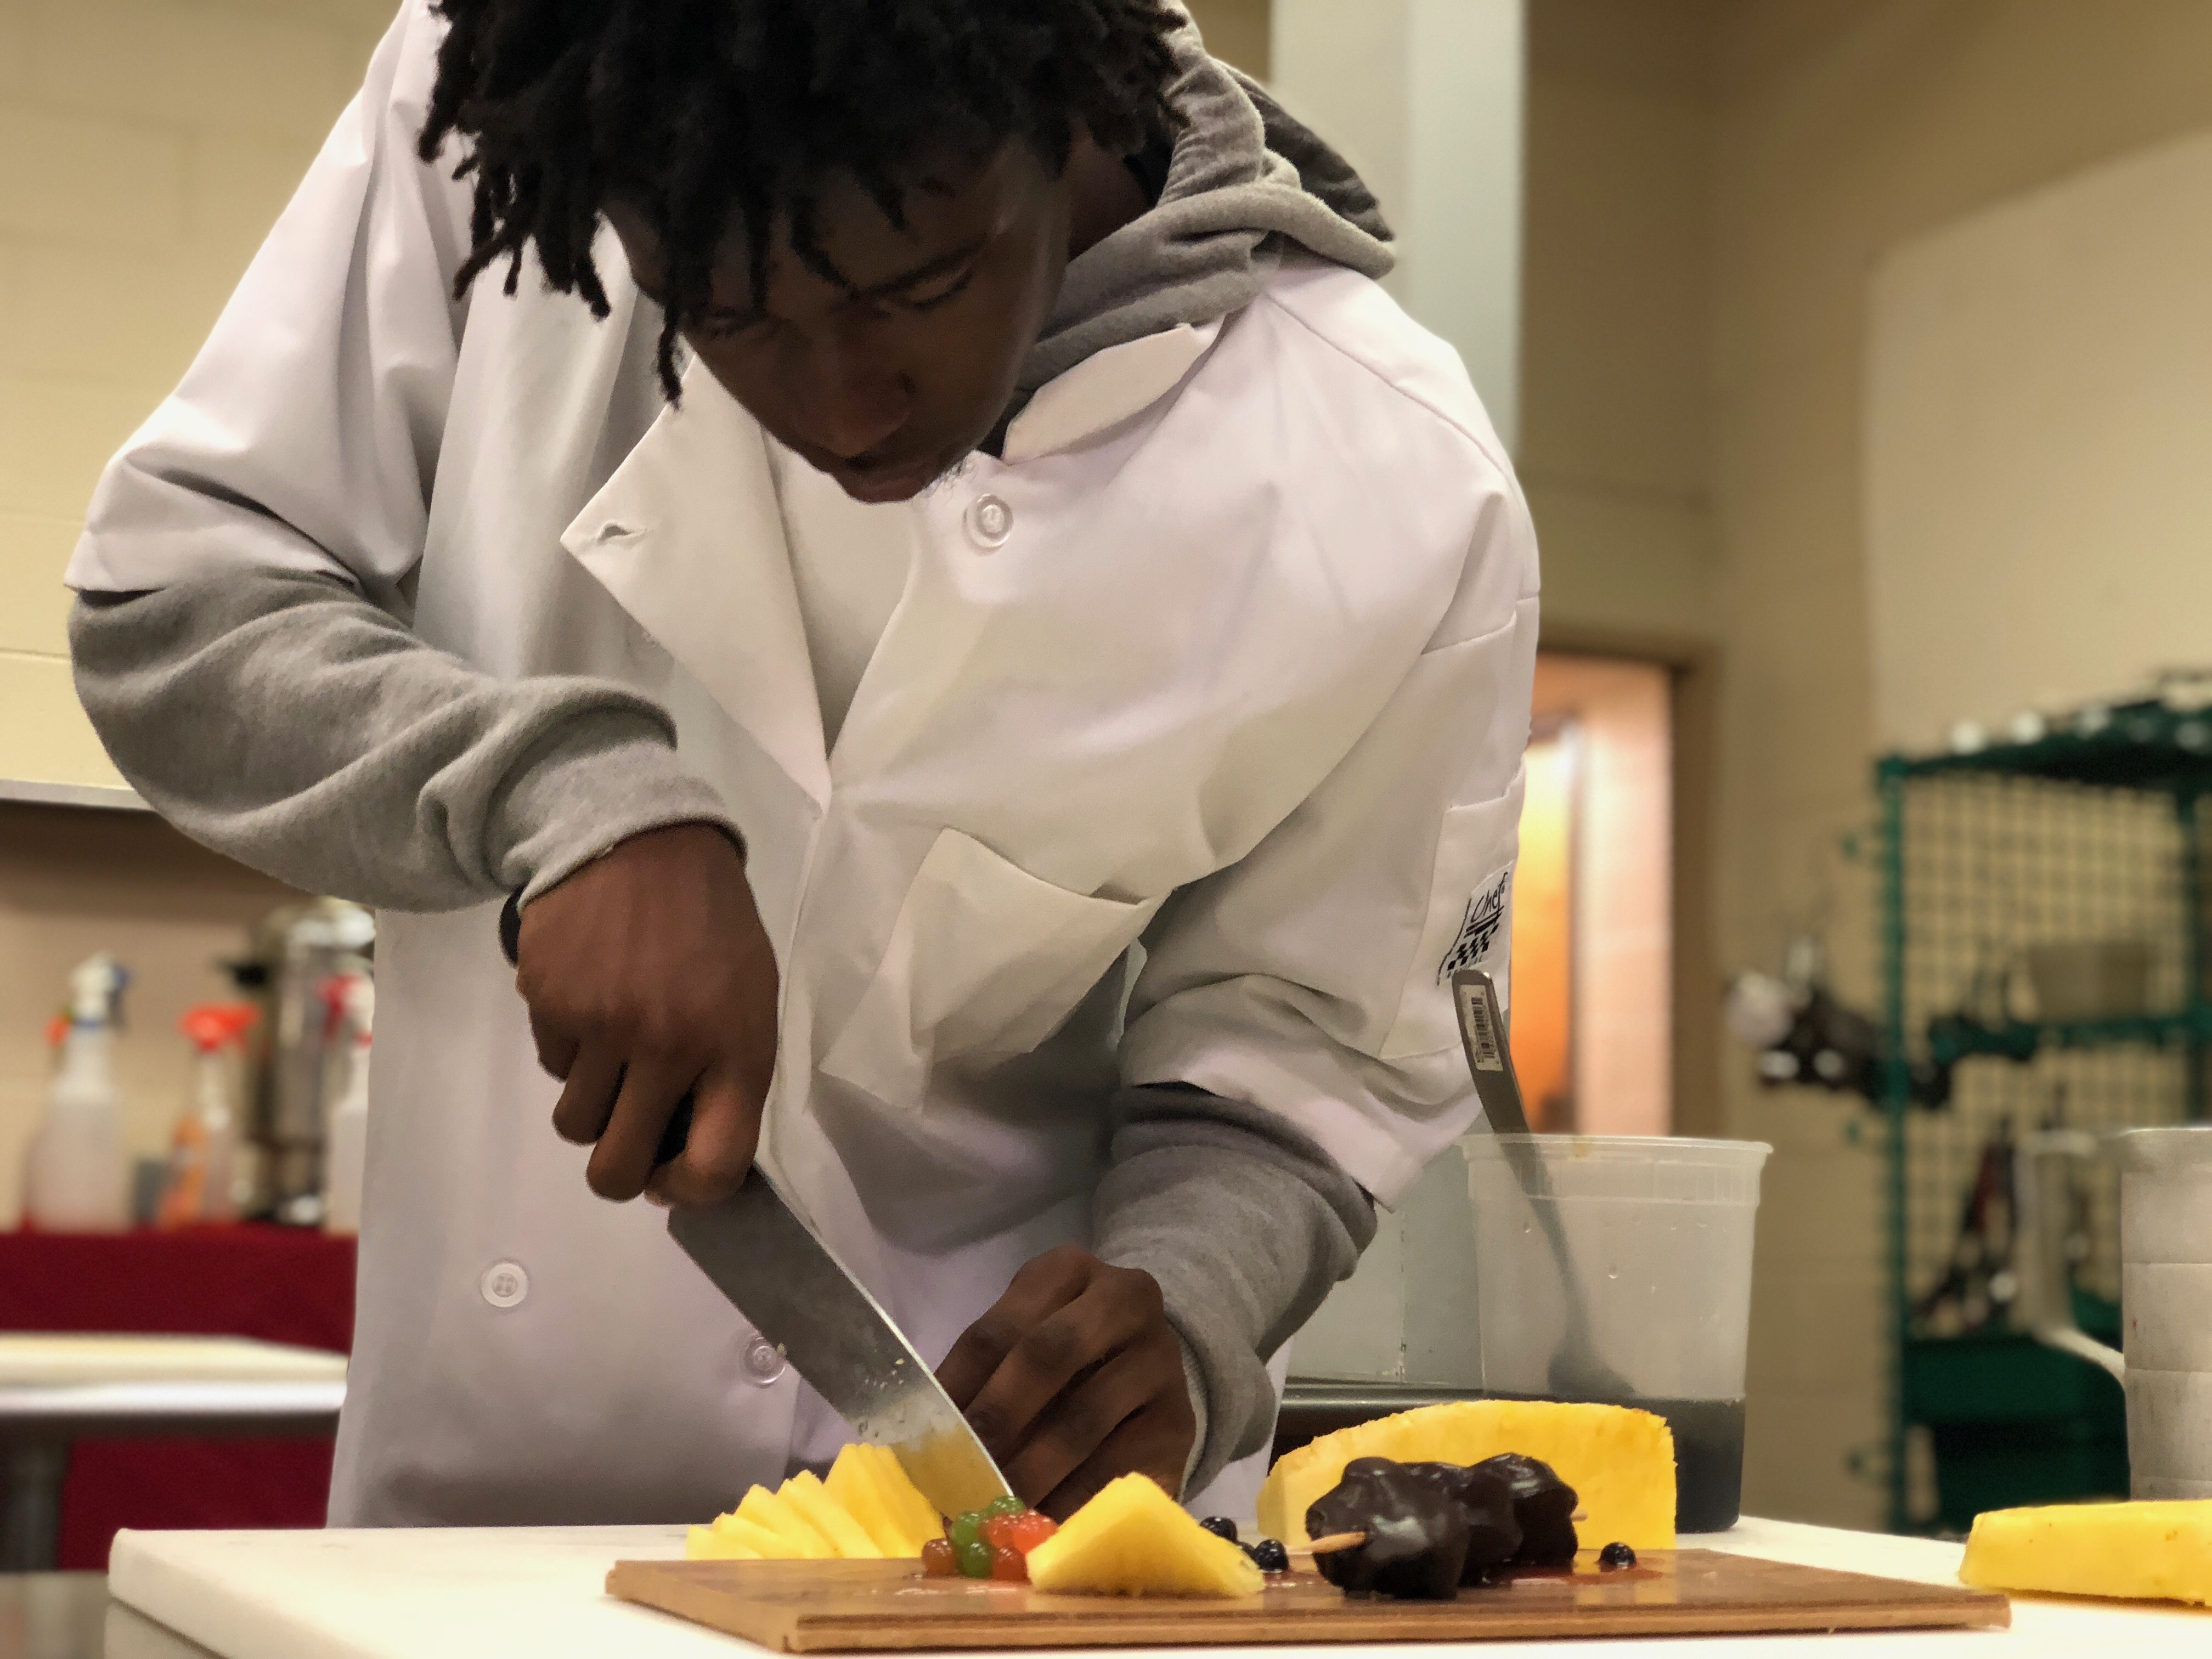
pixel 587 1098
pixel 1047 1357
pixel 1040 1290
pixel 623 1160
pixel 1078 1424
pixel 1142 1443
pixel 725 1132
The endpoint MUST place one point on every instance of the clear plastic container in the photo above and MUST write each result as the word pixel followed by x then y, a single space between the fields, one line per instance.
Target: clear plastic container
pixel 1650 1235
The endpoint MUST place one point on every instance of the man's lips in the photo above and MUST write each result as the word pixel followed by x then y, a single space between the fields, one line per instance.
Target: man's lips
pixel 883 481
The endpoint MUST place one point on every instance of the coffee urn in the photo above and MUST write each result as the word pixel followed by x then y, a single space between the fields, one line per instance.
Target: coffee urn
pixel 298 951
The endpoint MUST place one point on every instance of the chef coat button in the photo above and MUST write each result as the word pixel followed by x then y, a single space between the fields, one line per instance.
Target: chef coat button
pixel 990 521
pixel 764 1364
pixel 504 1284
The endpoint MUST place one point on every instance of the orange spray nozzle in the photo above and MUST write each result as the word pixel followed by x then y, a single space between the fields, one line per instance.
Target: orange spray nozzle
pixel 213 1025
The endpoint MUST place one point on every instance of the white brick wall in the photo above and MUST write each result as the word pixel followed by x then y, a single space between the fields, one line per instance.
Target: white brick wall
pixel 150 145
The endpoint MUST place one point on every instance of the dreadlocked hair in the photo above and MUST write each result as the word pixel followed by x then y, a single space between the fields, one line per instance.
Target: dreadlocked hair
pixel 695 111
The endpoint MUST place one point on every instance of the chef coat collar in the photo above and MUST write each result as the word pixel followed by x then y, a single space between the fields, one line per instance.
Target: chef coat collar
pixel 688 537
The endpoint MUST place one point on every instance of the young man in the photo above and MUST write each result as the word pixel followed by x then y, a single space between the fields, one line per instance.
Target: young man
pixel 907 533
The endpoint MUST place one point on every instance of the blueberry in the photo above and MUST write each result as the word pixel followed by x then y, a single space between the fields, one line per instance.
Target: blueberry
pixel 1269 1555
pixel 1220 1526
pixel 1616 1555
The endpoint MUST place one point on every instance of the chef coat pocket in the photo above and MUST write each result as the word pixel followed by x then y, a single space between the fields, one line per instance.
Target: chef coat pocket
pixel 1469 923
pixel 984 960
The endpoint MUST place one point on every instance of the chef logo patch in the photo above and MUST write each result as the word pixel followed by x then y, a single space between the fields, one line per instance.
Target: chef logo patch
pixel 1480 927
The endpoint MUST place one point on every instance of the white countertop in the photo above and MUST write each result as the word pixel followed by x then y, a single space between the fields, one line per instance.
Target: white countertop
pixel 537 1591
pixel 38 1360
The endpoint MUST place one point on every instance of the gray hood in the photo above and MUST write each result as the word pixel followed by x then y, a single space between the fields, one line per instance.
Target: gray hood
pixel 1246 185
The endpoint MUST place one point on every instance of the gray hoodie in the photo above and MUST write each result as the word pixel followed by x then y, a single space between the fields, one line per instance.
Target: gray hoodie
pixel 288 721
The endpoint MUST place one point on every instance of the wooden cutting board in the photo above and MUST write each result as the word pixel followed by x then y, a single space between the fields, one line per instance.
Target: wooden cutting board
pixel 852 1607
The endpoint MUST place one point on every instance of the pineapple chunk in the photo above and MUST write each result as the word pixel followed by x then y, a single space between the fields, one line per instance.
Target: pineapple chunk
pixel 2146 1552
pixel 915 1514
pixel 804 1492
pixel 767 1546
pixel 713 1544
pixel 796 1537
pixel 1131 1538
pixel 1621 1461
pixel 852 1481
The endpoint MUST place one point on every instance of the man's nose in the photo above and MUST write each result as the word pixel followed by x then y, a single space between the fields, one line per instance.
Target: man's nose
pixel 853 403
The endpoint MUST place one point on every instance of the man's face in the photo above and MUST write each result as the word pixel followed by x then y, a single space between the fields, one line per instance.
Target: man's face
pixel 889 378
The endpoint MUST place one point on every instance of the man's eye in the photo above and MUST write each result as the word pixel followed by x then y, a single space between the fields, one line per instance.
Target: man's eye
pixel 926 296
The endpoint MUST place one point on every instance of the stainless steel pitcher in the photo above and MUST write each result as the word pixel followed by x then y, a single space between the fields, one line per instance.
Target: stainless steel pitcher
pixel 298 951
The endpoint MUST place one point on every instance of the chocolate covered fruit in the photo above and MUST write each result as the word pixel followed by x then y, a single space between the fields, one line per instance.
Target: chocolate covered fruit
pixel 1620 1461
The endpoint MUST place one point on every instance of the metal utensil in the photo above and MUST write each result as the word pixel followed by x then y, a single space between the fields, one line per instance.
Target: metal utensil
pixel 798 1295
pixel 1577 1371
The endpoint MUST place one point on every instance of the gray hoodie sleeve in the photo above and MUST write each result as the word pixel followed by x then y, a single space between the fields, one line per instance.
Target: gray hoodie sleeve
pixel 287 721
pixel 1246 1223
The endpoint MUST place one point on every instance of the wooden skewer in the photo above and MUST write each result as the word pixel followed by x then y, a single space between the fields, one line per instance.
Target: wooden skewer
pixel 1580 1515
pixel 1334 1541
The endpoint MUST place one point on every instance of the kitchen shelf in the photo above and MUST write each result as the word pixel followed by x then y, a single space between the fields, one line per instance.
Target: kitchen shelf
pixel 1952 1039
pixel 2137 746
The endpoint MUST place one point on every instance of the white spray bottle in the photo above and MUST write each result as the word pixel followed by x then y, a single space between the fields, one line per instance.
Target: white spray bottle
pixel 74 1178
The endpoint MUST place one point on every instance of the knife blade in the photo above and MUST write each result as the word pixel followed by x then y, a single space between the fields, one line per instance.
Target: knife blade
pixel 795 1292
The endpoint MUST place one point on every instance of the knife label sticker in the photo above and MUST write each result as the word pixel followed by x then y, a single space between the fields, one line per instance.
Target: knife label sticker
pixel 1481 926
pixel 1484 1051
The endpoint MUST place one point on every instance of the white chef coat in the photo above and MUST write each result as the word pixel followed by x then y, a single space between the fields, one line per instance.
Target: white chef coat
pixel 1190 753
pixel 848 565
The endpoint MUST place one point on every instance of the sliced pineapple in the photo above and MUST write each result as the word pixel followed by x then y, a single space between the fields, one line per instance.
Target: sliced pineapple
pixel 915 1516
pixel 1621 1461
pixel 797 1538
pixel 713 1544
pixel 1131 1538
pixel 855 1484
pixel 2144 1551
pixel 767 1546
pixel 804 1492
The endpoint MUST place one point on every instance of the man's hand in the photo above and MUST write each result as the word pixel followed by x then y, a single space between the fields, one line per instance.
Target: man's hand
pixel 1072 1379
pixel 648 973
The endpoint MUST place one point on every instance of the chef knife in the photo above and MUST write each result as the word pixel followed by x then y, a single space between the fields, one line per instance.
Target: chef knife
pixel 800 1296
pixel 791 1289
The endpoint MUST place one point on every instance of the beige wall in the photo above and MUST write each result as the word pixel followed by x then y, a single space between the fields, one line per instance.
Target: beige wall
pixel 1841 129
pixel 149 144
pixel 74 881
pixel 1614 397
pixel 1235 31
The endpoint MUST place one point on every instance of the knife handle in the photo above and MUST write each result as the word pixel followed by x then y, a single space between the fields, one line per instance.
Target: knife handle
pixel 680 1121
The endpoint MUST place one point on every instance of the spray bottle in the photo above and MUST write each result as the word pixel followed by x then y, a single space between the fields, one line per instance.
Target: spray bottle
pixel 75 1177
pixel 201 1185
pixel 352 999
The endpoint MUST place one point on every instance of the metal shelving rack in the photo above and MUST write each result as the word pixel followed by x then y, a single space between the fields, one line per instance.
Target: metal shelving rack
pixel 2090 832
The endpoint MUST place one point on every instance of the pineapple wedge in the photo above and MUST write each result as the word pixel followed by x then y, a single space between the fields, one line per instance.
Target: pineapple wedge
pixel 915 1514
pixel 796 1535
pixel 1621 1461
pixel 2145 1551
pixel 713 1544
pixel 759 1540
pixel 866 1511
pixel 804 1492
pixel 1131 1538
pixel 853 1483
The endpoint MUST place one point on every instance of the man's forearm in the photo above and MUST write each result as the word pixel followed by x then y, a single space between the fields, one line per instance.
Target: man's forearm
pixel 288 722
pixel 1246 1224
